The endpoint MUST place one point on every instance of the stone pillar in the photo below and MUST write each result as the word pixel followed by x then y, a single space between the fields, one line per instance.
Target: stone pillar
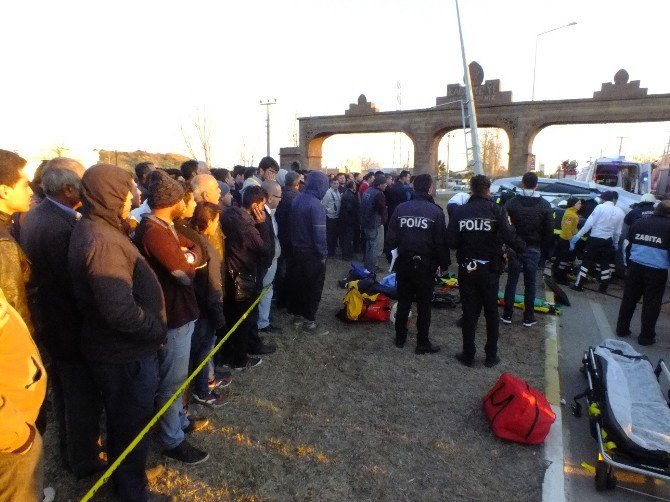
pixel 314 152
pixel 289 155
pixel 520 148
pixel 425 153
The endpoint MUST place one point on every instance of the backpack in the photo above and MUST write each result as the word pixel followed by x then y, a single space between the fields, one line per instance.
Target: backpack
pixel 363 307
pixel 518 412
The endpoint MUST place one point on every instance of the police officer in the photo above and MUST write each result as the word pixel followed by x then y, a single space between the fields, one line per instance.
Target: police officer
pixel 477 231
pixel 417 230
pixel 605 225
pixel 647 272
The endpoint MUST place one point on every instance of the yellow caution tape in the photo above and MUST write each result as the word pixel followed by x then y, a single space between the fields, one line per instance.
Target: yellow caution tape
pixel 103 479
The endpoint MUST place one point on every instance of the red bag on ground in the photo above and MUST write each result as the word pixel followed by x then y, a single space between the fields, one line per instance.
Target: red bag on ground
pixel 379 310
pixel 518 412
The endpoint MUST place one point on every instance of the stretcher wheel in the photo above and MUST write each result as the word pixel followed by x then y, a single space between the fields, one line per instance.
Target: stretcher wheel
pixel 605 478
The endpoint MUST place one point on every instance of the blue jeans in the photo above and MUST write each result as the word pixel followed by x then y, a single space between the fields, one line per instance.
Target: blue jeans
pixel 528 262
pixel 202 343
pixel 266 302
pixel 128 391
pixel 173 359
pixel 374 246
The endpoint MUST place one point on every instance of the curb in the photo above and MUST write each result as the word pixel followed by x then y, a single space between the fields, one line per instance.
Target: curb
pixel 553 486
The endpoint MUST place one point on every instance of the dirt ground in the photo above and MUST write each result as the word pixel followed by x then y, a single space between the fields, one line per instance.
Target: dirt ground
pixel 345 415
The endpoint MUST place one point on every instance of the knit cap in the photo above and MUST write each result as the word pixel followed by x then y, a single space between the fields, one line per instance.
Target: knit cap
pixel 164 191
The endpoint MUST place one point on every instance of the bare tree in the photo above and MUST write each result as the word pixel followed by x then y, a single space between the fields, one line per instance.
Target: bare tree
pixel 368 164
pixel 491 152
pixel 60 150
pixel 294 135
pixel 246 158
pixel 203 133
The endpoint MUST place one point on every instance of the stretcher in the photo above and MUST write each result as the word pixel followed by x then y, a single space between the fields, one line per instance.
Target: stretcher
pixel 541 306
pixel 628 412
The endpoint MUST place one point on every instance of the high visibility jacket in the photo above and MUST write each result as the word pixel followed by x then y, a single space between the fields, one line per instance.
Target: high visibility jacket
pixel 569 224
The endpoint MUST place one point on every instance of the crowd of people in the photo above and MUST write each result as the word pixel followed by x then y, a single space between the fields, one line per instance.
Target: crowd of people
pixel 126 283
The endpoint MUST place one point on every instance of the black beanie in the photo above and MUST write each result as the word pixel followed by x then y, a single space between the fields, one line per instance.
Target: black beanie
pixel 164 191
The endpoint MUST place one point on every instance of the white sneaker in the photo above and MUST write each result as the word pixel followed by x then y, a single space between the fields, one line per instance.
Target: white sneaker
pixel 49 494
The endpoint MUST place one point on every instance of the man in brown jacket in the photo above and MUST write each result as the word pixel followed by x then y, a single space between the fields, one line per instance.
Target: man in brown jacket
pixel 172 257
pixel 15 195
pixel 23 384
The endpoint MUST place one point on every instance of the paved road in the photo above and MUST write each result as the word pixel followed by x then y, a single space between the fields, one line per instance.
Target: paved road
pixel 590 319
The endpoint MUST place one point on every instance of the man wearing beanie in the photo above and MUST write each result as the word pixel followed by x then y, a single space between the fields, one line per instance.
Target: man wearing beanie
pixel 123 324
pixel 172 257
pixel 605 224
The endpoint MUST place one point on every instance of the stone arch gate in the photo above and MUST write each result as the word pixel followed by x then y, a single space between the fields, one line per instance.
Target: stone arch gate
pixel 620 101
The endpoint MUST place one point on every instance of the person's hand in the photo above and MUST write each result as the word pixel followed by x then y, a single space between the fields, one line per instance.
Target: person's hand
pixel 4 310
pixel 258 213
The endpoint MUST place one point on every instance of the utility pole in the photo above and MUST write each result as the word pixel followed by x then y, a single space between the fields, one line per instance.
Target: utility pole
pixel 470 102
pixel 621 138
pixel 267 106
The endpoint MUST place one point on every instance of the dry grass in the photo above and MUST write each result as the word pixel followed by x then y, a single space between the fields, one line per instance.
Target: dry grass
pixel 348 416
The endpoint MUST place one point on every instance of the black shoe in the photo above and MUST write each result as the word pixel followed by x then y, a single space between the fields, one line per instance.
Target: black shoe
pixel 97 467
pixel 491 361
pixel 426 349
pixel 400 341
pixel 506 319
pixel 187 453
pixel 645 341
pixel 622 335
pixel 465 361
pixel 263 349
pixel 576 287
pixel 271 329
pixel 459 322
pixel 530 322
pixel 249 363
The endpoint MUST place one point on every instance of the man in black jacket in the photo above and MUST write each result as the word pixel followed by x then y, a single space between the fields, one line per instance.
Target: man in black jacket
pixel 350 216
pixel 532 218
pixel 45 238
pixel 124 321
pixel 245 252
pixel 283 283
pixel 417 231
pixel 477 230
pixel 398 192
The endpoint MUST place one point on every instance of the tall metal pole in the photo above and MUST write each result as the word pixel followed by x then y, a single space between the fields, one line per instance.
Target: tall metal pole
pixel 267 106
pixel 537 37
pixel 470 101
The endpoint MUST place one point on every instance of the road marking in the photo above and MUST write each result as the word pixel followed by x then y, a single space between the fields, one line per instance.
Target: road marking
pixel 553 486
pixel 601 320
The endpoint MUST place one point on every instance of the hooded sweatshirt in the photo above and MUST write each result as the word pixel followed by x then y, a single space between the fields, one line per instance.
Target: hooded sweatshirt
pixel 308 217
pixel 116 290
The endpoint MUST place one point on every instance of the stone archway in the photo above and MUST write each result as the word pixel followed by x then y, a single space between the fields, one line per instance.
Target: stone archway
pixel 618 101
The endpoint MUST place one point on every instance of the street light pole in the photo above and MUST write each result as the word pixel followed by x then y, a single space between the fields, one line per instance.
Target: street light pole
pixel 535 59
pixel 470 101
pixel 267 106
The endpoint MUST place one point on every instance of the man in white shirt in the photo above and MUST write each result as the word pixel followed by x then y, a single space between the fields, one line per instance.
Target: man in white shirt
pixel 332 201
pixel 605 224
pixel 274 195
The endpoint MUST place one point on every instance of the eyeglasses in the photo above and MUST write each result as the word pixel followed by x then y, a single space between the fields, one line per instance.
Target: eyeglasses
pixel 276 196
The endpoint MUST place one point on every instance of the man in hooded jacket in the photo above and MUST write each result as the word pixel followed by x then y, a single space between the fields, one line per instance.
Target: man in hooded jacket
pixel 308 238
pixel 124 321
